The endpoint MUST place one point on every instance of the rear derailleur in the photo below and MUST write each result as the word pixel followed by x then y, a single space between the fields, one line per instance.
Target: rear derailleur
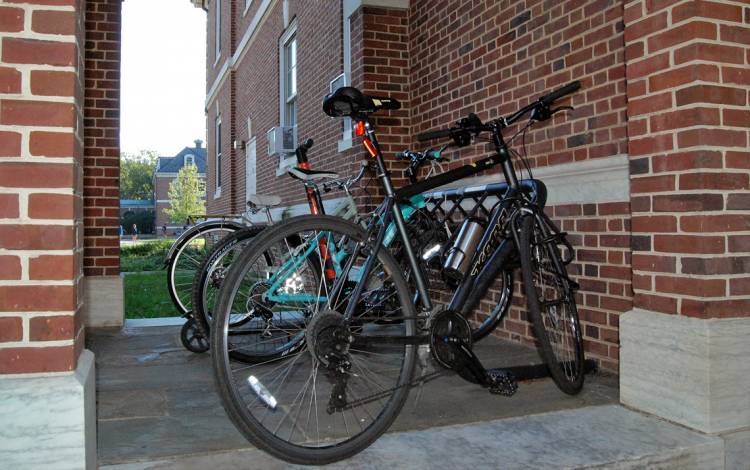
pixel 451 345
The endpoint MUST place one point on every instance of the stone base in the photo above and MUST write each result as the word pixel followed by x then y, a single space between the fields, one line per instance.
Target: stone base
pixel 103 301
pixel 49 422
pixel 687 370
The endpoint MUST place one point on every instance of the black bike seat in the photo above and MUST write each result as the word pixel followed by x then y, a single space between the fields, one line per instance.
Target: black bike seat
pixel 348 101
pixel 310 175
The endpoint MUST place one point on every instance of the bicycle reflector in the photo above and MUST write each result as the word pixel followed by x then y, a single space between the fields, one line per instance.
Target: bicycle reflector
pixel 360 129
pixel 370 147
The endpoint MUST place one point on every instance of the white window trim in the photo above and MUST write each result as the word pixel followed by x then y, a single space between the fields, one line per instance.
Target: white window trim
pixel 285 161
pixel 217 33
pixel 247 6
pixel 346 138
pixel 217 156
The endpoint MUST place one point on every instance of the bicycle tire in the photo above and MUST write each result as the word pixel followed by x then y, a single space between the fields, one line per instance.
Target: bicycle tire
pixel 200 312
pixel 172 286
pixel 227 385
pixel 532 242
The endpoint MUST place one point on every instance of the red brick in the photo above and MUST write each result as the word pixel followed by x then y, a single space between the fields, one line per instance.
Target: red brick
pixel 685 118
pixel 710 94
pixel 739 243
pixel 736 117
pixel 654 263
pixel 649 104
pixel 680 76
pixel 46 2
pixel 739 75
pixel 715 223
pixel 54 22
pixel 50 83
pixel 678 34
pixel 709 52
pixel 691 286
pixel 714 181
pixel 51 206
pixel 716 265
pixel 738 34
pixel 10 144
pixel 9 206
pixel 52 267
pixel 656 223
pixel 52 144
pixel 644 27
pixel 739 286
pixel 650 145
pixel 37 113
pixel 30 360
pixel 714 308
pixel 688 202
pixel 10 269
pixel 11 19
pixel 36 237
pixel 686 161
pixel 11 329
pixel 738 159
pixel 656 303
pixel 53 328
pixel 703 9
pixel 648 66
pixel 738 202
pixel 688 244
pixel 10 80
pixel 30 51
pixel 37 298
pixel 718 137
pixel 36 175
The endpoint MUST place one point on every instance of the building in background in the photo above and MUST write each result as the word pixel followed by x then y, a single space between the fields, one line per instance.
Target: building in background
pixel 166 171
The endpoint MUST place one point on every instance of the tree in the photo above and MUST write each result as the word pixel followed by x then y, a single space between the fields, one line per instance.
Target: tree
pixel 137 175
pixel 186 195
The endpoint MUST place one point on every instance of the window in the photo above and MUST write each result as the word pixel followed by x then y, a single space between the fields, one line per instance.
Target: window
pixel 289 77
pixel 217 39
pixel 247 6
pixel 189 160
pixel 346 137
pixel 218 157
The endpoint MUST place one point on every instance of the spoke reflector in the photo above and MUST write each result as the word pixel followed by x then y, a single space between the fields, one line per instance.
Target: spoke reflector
pixel 262 392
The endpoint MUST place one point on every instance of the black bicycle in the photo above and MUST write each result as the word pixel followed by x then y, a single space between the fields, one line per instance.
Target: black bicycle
pixel 363 333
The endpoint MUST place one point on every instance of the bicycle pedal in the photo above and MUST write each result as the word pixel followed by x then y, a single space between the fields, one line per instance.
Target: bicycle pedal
pixel 502 382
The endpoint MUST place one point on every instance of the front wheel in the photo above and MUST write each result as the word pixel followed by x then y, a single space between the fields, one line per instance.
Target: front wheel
pixel 329 386
pixel 551 303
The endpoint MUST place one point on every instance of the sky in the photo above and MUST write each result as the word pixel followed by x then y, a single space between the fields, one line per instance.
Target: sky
pixel 163 75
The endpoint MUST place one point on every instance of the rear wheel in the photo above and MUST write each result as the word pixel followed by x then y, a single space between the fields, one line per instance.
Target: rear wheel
pixel 337 392
pixel 186 261
pixel 551 304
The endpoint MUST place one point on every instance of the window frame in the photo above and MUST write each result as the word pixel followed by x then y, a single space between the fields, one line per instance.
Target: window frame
pixel 217 32
pixel 217 157
pixel 289 36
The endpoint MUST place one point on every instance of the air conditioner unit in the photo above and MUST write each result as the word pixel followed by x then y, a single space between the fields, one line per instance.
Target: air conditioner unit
pixel 281 140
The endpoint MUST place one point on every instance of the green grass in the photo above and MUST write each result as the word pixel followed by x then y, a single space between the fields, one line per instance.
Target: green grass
pixel 146 295
pixel 147 255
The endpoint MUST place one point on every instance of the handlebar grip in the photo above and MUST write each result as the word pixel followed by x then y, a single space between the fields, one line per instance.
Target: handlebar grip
pixel 439 134
pixel 560 92
pixel 308 144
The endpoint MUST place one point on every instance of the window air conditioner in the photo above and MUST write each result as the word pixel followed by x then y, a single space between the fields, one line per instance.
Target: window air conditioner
pixel 281 140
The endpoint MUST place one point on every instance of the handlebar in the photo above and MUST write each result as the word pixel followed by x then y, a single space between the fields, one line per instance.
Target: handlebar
pixel 346 183
pixel 472 124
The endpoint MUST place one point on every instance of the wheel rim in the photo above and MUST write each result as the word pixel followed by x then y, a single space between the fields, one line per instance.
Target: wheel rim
pixel 187 262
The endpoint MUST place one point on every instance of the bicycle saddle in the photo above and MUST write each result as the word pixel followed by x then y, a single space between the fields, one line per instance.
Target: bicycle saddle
pixel 310 175
pixel 348 101
pixel 263 200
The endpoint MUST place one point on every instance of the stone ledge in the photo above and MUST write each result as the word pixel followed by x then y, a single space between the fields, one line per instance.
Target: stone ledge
pixel 49 422
pixel 690 371
pixel 594 437
pixel 103 301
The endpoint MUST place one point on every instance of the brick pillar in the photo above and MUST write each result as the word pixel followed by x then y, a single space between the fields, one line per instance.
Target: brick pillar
pixel 685 345
pixel 46 417
pixel 101 172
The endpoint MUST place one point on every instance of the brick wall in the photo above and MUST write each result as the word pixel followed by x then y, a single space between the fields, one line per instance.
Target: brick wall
pixel 41 143
pixel 102 138
pixel 688 82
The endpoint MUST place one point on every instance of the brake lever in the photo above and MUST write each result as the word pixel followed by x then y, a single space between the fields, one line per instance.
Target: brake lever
pixel 562 108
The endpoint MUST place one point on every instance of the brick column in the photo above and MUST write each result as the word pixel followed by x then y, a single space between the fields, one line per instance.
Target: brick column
pixel 48 416
pixel 101 165
pixel 685 345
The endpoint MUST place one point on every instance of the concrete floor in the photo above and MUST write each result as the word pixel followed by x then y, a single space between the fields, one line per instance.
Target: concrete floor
pixel 157 401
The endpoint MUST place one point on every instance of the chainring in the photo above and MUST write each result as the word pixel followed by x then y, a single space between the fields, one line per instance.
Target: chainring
pixel 446 326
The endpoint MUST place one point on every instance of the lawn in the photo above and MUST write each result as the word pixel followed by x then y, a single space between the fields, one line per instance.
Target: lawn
pixel 146 294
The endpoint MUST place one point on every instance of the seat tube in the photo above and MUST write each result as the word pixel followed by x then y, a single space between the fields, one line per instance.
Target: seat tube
pixel 398 219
